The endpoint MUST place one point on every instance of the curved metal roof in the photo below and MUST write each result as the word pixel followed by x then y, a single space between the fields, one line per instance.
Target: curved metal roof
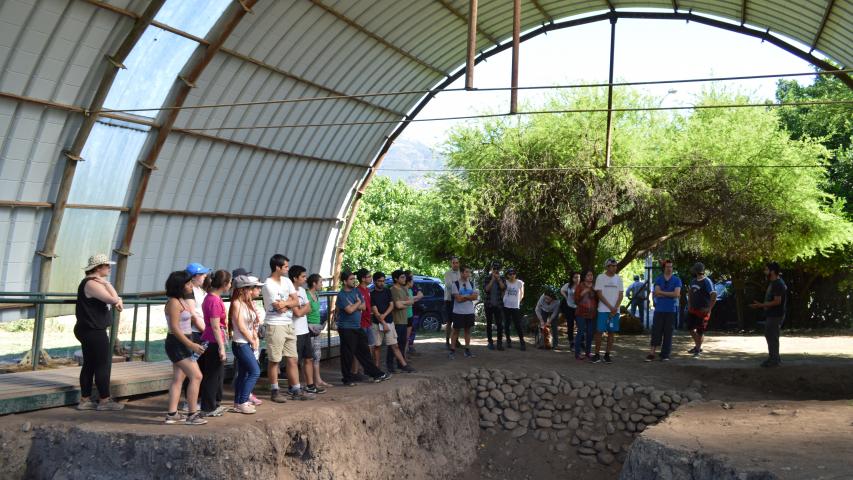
pixel 232 197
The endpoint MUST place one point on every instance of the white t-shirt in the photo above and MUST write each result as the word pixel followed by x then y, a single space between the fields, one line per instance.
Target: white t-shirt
pixel 610 287
pixel 273 291
pixel 512 294
pixel 198 295
pixel 300 324
pixel 465 288
pixel 449 277
pixel 569 295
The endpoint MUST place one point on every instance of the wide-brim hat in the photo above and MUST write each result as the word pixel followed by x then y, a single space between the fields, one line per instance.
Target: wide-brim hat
pixel 96 261
pixel 243 281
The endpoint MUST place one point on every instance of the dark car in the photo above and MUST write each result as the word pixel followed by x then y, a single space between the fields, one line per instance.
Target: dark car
pixel 724 313
pixel 430 307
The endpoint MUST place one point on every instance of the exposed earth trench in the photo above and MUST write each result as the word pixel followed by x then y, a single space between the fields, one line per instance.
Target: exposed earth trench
pixel 511 416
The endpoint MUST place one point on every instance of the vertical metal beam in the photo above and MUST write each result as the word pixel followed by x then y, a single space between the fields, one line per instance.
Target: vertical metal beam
pixel 608 142
pixel 516 43
pixel 112 65
pixel 472 44
pixel 180 90
pixel 826 13
pixel 743 12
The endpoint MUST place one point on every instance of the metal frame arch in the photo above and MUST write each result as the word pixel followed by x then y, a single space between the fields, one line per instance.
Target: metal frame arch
pixel 611 16
pixel 180 91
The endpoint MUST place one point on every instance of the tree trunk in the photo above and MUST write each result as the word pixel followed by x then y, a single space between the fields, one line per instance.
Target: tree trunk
pixel 739 286
pixel 586 258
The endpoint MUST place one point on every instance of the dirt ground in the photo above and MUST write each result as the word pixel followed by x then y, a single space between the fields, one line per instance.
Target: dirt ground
pixel 814 369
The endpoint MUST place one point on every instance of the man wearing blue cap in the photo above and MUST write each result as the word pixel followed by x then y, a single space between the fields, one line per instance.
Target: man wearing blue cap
pixel 199 273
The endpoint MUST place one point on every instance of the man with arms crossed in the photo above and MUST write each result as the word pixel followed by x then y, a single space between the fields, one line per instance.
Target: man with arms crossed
pixel 450 276
pixel 667 293
pixel 280 297
pixel 608 287
pixel 493 290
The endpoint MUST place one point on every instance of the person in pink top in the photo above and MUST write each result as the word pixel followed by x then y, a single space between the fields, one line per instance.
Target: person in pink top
pixel 212 362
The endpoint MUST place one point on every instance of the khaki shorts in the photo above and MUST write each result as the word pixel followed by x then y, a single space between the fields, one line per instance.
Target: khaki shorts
pixel 281 342
pixel 384 338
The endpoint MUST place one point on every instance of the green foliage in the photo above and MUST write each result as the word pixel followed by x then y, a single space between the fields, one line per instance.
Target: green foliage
pixel 389 229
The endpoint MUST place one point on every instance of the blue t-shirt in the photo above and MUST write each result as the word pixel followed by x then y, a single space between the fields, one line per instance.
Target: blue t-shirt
pixel 667 304
pixel 700 293
pixel 345 299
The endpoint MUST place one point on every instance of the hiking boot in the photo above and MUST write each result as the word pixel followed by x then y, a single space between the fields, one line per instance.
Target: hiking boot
pixel 109 405
pixel 299 394
pixel 408 369
pixel 314 389
pixel 245 408
pixel 87 405
pixel 595 358
pixel 607 358
pixel 276 396
pixel 195 418
pixel 650 357
pixel 381 378
pixel 173 418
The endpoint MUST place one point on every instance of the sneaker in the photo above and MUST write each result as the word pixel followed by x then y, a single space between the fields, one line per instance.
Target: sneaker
pixel 451 355
pixel 650 357
pixel 245 408
pixel 184 407
pixel 693 351
pixel 508 343
pixel 255 400
pixel 87 405
pixel 468 354
pixel 491 346
pixel 173 418
pixel 195 418
pixel 697 354
pixel 391 369
pixel 300 394
pixel 580 358
pixel 607 358
pixel 447 344
pixel 358 378
pixel 522 347
pixel 408 369
pixel 218 411
pixel 664 359
pixel 109 405
pixel 595 358
pixel 500 347
pixel 348 383
pixel 276 396
pixel 381 378
pixel 314 389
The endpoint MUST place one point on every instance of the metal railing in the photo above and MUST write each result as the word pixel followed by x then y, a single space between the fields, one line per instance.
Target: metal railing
pixel 39 301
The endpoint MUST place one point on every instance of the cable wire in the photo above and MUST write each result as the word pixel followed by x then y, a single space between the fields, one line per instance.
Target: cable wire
pixel 475 90
pixel 533 112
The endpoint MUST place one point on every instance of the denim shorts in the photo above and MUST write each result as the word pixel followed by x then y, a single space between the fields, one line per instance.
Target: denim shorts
pixel 607 324
pixel 371 336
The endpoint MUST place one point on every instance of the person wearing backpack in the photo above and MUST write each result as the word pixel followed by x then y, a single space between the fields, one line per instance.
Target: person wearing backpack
pixel 464 294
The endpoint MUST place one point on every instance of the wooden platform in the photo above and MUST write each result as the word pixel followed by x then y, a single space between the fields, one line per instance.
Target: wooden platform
pixel 27 391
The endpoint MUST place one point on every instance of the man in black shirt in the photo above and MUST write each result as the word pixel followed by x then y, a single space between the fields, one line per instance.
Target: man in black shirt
pixel 775 301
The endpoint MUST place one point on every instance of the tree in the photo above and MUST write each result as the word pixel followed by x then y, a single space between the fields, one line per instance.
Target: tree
pixel 703 177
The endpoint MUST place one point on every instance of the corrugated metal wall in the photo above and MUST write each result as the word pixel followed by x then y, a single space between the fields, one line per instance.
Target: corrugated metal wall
pixel 263 190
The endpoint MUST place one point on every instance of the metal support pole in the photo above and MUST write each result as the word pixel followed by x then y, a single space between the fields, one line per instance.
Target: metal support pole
pixel 133 332
pixel 472 44
pixel 147 331
pixel 38 332
pixel 113 335
pixel 516 42
pixel 329 329
pixel 608 142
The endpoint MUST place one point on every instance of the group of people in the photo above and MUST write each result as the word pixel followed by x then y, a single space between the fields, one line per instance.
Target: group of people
pixel 368 317
pixel 590 305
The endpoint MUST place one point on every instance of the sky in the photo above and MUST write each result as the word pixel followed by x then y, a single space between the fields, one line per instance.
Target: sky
pixel 645 50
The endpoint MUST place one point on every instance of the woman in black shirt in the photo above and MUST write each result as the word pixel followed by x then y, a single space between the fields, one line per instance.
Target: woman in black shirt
pixel 94 297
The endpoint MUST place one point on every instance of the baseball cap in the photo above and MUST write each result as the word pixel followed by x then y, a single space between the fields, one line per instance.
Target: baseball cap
pixel 239 271
pixel 610 261
pixel 510 271
pixel 243 281
pixel 197 269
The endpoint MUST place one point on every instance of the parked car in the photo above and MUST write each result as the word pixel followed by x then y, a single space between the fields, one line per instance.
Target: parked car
pixel 430 308
pixel 724 313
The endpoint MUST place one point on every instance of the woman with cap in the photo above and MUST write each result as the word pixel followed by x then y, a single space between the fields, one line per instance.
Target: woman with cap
pixel 95 295
pixel 243 321
pixel 181 350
